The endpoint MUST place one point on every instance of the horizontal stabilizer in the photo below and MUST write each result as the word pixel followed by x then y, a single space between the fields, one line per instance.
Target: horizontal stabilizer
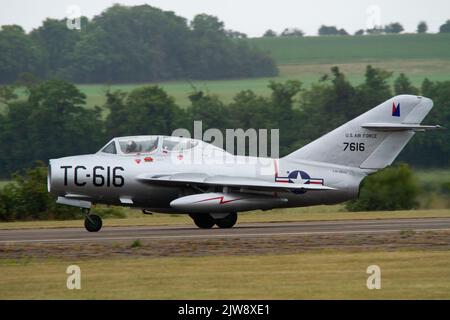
pixel 399 127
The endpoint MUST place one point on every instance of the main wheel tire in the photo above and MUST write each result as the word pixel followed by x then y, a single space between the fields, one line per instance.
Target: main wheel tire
pixel 93 223
pixel 228 222
pixel 203 221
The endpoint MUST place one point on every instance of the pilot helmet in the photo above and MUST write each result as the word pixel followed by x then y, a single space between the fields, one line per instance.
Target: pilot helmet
pixel 131 146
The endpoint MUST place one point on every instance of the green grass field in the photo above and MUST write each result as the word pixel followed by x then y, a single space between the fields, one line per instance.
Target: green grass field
pixel 308 50
pixel 417 70
pixel 427 177
pixel 415 274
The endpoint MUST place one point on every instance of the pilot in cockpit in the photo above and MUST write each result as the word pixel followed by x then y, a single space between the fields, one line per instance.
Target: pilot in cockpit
pixel 132 147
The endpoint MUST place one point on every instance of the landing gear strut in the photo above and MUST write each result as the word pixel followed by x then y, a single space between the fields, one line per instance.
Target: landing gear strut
pixel 92 222
pixel 206 221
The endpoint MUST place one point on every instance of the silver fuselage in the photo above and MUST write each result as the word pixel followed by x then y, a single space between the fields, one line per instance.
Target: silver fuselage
pixel 115 179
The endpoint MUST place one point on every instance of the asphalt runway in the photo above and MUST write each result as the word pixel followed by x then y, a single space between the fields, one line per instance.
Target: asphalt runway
pixel 62 235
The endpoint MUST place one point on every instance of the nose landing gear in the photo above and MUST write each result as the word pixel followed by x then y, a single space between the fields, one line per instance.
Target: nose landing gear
pixel 92 222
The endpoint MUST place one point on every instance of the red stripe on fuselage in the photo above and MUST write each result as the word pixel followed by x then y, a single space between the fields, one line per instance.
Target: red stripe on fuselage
pixel 315 182
pixel 222 201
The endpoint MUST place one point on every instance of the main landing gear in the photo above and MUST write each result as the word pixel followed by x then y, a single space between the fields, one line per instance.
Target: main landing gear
pixel 92 222
pixel 206 221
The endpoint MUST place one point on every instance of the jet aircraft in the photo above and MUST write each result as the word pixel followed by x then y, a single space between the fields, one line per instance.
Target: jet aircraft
pixel 168 174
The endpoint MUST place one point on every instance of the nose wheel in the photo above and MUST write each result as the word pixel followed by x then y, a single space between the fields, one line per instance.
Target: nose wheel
pixel 92 222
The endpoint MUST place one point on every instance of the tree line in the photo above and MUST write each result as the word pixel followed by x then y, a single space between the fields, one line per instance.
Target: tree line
pixel 52 120
pixel 324 30
pixel 131 44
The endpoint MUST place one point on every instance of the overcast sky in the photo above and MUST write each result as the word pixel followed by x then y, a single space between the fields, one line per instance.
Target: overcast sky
pixel 252 16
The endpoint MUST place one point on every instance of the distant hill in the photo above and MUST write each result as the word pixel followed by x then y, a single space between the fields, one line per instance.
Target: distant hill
pixel 349 49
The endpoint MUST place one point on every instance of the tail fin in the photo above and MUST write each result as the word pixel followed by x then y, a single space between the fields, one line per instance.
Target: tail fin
pixel 374 139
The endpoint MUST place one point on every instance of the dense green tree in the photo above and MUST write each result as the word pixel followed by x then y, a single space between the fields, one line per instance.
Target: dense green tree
pixel 214 55
pixel 250 62
pixel 18 54
pixel 375 89
pixel 394 27
pixel 292 32
pixel 432 149
pixel 59 123
pixel 331 31
pixel 375 30
pixel 359 32
pixel 138 43
pixel 131 44
pixel 251 111
pixel 211 48
pixel 343 96
pixel 51 122
pixel 15 140
pixel 327 30
pixel 7 93
pixel 327 105
pixel 284 114
pixel 422 27
pixel 116 123
pixel 57 43
pixel 402 85
pixel 151 111
pixel 27 198
pixel 204 24
pixel 210 110
pixel 394 188
pixel 145 110
pixel 445 28
pixel 235 34
pixel 283 94
pixel 270 33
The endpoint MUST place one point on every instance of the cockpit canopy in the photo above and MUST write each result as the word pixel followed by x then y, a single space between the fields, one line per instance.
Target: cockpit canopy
pixel 148 144
pixel 138 145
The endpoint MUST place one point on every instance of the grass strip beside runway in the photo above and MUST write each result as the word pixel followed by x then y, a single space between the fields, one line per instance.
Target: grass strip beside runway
pixel 416 274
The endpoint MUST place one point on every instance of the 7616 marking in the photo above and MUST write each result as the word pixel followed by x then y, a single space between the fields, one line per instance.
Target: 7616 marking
pixel 354 146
